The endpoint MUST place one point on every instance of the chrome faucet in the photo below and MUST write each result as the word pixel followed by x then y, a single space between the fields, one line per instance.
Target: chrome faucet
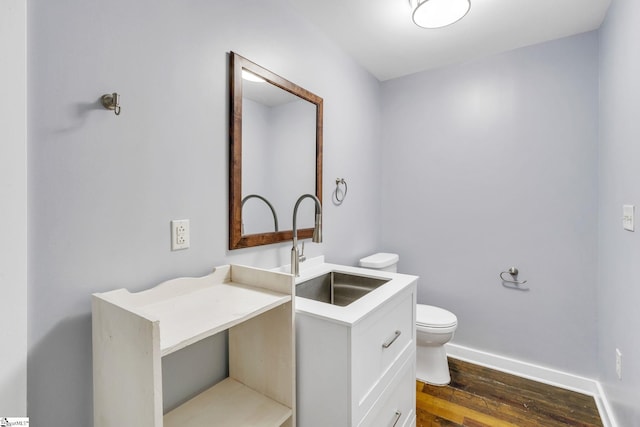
pixel 317 232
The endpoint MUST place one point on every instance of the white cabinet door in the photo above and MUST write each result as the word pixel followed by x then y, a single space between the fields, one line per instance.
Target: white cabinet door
pixel 378 343
pixel 396 406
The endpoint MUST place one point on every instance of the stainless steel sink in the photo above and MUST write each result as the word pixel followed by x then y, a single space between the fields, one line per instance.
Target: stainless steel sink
pixel 338 288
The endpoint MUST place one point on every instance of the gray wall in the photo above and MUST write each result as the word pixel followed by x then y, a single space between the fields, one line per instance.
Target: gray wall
pixel 13 208
pixel 619 250
pixel 492 164
pixel 479 167
pixel 102 189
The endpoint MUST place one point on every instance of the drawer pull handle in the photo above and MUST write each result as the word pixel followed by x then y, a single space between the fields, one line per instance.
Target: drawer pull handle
pixel 398 415
pixel 388 343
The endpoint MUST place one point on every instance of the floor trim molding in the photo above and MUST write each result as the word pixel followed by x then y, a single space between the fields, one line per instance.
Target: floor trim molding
pixel 537 373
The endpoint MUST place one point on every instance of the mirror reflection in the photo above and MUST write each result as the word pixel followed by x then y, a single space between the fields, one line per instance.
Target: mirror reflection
pixel 276 155
pixel 278 147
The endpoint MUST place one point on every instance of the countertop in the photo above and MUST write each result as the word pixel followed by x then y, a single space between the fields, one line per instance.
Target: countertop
pixel 354 312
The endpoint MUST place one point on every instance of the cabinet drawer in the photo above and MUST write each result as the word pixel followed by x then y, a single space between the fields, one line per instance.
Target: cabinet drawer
pixel 378 343
pixel 397 405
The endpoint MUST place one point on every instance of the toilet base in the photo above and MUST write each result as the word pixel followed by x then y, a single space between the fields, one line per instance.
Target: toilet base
pixel 432 366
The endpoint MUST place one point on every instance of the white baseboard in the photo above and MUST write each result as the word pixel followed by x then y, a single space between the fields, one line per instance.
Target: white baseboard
pixel 606 412
pixel 537 373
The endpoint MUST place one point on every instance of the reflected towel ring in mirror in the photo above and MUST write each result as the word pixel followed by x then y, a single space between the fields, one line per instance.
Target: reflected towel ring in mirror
pixel 336 194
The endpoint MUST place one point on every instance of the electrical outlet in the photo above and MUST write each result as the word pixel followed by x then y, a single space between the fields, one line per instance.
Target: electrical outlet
pixel 179 234
pixel 618 364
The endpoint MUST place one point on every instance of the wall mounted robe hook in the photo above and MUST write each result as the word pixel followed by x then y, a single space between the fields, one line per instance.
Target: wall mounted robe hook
pixel 513 283
pixel 111 101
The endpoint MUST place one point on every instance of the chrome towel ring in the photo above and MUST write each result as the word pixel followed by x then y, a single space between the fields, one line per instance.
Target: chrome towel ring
pixel 336 194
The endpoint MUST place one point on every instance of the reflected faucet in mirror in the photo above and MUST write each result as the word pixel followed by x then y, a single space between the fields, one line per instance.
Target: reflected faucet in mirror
pixel 273 211
pixel 317 231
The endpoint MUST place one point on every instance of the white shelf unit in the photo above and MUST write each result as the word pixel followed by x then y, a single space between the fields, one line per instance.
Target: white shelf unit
pixel 133 331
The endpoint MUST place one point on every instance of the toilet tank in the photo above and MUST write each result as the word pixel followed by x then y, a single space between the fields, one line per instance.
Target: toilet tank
pixel 381 261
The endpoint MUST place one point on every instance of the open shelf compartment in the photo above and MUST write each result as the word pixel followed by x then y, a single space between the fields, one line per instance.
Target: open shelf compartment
pixel 231 404
pixel 133 331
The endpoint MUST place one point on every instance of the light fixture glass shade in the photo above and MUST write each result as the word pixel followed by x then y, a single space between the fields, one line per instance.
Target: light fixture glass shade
pixel 438 13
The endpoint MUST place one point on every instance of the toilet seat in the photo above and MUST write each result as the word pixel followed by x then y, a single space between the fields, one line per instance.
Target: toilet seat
pixel 428 316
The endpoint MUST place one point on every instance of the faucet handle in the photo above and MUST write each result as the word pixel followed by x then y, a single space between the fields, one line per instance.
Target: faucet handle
pixel 302 258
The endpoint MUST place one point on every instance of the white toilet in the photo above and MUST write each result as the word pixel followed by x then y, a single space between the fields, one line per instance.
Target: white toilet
pixel 435 327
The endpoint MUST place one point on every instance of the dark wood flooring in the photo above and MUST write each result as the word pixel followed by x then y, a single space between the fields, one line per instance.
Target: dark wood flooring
pixel 482 397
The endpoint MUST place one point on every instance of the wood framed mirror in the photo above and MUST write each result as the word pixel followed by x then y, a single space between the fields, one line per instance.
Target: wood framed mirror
pixel 275 155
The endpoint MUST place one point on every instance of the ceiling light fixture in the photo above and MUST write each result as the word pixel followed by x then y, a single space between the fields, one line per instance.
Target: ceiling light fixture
pixel 438 13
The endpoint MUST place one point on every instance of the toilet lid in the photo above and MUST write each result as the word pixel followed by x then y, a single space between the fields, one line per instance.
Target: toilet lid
pixel 435 317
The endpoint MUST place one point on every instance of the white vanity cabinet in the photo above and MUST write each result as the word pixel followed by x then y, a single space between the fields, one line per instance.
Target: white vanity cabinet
pixel 133 331
pixel 360 372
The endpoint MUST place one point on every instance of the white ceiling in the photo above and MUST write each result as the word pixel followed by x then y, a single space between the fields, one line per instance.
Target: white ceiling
pixel 380 35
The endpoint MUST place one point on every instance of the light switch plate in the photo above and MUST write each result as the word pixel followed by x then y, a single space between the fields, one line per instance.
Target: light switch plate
pixel 628 217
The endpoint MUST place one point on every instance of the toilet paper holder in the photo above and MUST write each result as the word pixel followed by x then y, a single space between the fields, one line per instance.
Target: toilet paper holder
pixel 513 282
